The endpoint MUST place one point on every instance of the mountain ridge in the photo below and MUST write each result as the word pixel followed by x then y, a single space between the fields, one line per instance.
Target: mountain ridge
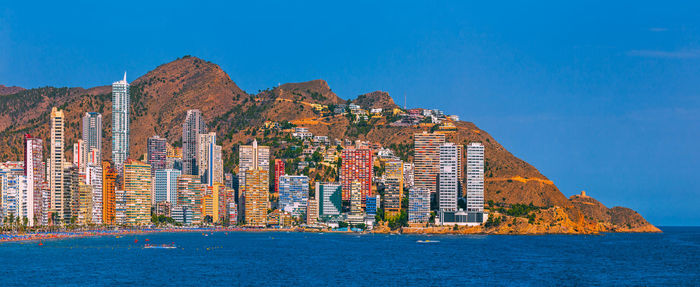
pixel 161 97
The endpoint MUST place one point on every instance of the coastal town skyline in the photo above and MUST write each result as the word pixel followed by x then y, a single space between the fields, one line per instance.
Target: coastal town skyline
pixel 628 84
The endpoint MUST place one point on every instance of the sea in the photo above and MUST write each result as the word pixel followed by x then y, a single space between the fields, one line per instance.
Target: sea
pixel 671 258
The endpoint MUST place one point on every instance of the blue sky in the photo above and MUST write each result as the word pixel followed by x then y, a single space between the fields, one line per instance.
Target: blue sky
pixel 599 96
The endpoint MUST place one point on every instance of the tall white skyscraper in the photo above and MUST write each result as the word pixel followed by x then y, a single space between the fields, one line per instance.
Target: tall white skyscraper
pixel 209 161
pixel 120 123
pixel 93 178
pixel 34 171
pixel 92 139
pixel 448 182
pixel 191 129
pixel 56 162
pixel 475 177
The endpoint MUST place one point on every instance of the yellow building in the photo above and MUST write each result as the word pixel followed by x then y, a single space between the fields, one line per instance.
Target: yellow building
pixel 210 202
pixel 84 204
pixel 137 187
pixel 280 218
pixel 256 196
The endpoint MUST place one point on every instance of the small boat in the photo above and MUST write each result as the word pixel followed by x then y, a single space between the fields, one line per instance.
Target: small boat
pixel 41 243
pixel 427 241
pixel 161 246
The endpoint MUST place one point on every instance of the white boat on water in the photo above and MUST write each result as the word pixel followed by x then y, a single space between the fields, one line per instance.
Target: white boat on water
pixel 160 246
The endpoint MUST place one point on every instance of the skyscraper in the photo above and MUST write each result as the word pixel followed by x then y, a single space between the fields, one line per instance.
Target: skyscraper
pixel 94 178
pixel 294 194
pixel 427 159
pixel 120 123
pixel 56 159
pixel 209 161
pixel 92 139
pixel 189 197
pixel 34 171
pixel 329 199
pixel 166 185
pixel 475 178
pixel 71 193
pixel 448 179
pixel 256 196
pixel 156 153
pixel 356 166
pixel 191 129
pixel 211 200
pixel 137 189
pixel 279 171
pixel 312 211
pixel 109 180
pixel 393 186
pixel 418 204
pixel 250 157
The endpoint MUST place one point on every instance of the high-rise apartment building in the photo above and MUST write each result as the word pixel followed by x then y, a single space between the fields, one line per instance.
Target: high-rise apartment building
pixel 189 197
pixel 312 211
pixel 475 178
pixel 250 157
pixel 426 159
pixel 393 186
pixel 92 140
pixel 408 179
pixel 211 202
pixel 418 205
pixel 84 204
pixel 356 167
pixel 137 189
pixel 56 160
pixel 356 198
pixel 279 171
pixel 294 194
pixel 13 186
pixel 191 129
pixel 71 193
pixel 120 123
pixel 165 187
pixel 94 178
pixel 156 153
pixel 256 196
pixel 329 198
pixel 34 172
pixel 209 161
pixel 109 181
pixel 448 178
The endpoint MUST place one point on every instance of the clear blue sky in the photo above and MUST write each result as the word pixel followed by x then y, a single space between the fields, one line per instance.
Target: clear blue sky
pixel 600 97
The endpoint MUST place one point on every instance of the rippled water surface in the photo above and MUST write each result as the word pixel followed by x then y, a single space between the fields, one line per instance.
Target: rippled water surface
pixel 272 259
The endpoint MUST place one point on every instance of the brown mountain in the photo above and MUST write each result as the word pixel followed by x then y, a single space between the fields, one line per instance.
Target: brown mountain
pixel 376 99
pixel 161 98
pixel 4 90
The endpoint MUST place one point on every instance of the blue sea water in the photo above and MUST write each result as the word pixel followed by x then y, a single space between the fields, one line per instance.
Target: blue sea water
pixel 301 259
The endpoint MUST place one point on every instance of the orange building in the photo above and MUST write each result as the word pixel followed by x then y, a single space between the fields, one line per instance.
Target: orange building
pixel 356 166
pixel 109 181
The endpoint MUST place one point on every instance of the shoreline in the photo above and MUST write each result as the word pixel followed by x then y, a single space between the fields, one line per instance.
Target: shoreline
pixel 42 236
